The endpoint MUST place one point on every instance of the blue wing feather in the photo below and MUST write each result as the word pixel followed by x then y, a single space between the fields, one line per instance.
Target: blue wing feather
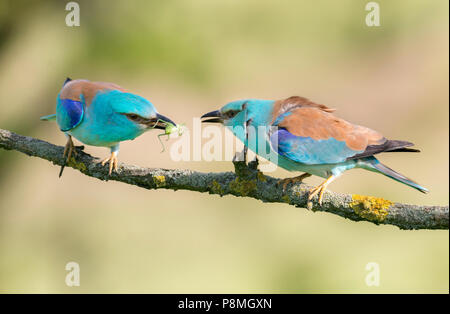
pixel 69 113
pixel 310 151
pixel 122 102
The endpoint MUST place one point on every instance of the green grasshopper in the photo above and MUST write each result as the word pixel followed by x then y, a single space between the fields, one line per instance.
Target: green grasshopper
pixel 170 128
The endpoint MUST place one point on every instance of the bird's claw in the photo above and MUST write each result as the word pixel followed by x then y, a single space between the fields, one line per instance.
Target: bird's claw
pixel 242 169
pixel 320 189
pixel 297 179
pixel 254 163
pixel 113 162
pixel 69 149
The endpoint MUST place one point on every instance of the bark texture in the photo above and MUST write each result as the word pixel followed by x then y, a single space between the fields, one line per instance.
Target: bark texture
pixel 246 181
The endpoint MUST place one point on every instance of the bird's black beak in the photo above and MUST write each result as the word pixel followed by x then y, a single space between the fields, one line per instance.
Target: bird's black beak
pixel 160 122
pixel 215 117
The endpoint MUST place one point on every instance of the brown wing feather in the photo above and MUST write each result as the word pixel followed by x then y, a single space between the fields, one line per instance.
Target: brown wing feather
pixel 73 89
pixel 319 124
pixel 288 104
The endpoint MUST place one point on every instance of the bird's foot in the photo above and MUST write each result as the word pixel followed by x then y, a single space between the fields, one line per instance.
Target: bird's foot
pixel 297 179
pixel 113 162
pixel 314 191
pixel 242 169
pixel 254 163
pixel 240 163
pixel 69 149
pixel 320 189
pixel 78 149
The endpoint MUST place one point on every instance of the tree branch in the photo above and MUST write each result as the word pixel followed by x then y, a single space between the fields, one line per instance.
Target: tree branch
pixel 246 182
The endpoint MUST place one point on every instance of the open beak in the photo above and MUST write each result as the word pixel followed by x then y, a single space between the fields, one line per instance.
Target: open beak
pixel 160 122
pixel 214 117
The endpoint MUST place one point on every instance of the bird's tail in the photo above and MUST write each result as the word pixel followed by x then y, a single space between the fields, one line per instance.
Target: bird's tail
pixel 50 117
pixel 374 164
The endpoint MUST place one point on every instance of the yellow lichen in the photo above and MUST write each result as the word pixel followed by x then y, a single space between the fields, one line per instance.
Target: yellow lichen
pixel 242 187
pixel 160 181
pixel 216 188
pixel 286 199
pixel 370 208
pixel 261 177
pixel 77 164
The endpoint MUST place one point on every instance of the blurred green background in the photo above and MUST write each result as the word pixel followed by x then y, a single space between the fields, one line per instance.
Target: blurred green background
pixel 189 57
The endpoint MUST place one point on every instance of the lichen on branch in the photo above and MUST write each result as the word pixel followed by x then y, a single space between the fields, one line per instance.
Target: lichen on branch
pixel 246 181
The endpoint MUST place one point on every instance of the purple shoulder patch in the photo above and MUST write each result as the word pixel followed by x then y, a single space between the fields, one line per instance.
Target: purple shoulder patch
pixel 69 114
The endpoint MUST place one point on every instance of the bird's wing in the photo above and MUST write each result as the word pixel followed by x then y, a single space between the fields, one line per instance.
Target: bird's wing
pixel 122 102
pixel 312 135
pixel 69 113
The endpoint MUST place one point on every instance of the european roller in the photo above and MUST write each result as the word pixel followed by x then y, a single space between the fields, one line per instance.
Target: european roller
pixel 307 137
pixel 103 114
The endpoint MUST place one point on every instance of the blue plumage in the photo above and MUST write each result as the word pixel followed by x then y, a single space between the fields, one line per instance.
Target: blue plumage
pixel 103 114
pixel 309 151
pixel 305 136
pixel 69 113
pixel 127 103
pixel 106 122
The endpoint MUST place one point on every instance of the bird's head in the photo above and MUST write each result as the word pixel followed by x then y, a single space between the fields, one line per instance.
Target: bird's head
pixel 152 121
pixel 242 112
pixel 139 111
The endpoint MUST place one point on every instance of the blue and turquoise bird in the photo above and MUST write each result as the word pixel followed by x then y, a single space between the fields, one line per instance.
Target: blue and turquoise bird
pixel 103 114
pixel 305 136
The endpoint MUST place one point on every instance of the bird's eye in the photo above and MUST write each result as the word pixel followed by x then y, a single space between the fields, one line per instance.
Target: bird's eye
pixel 231 114
pixel 133 116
